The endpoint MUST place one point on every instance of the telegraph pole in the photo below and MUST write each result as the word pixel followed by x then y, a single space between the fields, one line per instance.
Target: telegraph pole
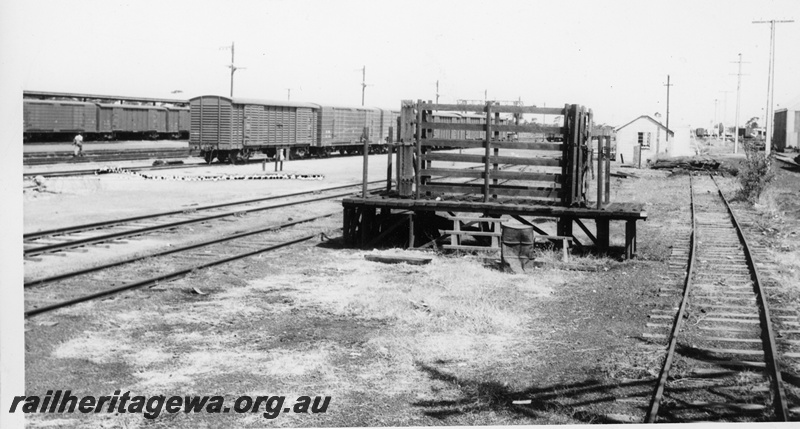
pixel 232 67
pixel 770 81
pixel 289 94
pixel 738 104
pixel 715 117
pixel 437 92
pixel 363 83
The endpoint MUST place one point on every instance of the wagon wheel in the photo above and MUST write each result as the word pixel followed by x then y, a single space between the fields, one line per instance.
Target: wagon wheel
pixel 209 157
pixel 300 152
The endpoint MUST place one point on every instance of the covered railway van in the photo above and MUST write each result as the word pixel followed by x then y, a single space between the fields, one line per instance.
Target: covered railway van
pixel 127 121
pixel 232 129
pixel 347 128
pixel 49 119
pixel 45 120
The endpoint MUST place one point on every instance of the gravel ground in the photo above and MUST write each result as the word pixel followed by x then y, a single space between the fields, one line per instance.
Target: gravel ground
pixel 449 343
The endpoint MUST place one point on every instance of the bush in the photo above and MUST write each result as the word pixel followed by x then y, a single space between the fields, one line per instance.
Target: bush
pixel 755 174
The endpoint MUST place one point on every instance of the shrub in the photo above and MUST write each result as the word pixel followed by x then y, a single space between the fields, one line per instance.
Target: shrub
pixel 755 174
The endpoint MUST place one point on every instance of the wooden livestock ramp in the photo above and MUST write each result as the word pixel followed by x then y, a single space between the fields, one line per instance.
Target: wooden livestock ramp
pixel 457 164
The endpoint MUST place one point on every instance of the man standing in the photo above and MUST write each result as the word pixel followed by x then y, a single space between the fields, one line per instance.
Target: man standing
pixel 77 142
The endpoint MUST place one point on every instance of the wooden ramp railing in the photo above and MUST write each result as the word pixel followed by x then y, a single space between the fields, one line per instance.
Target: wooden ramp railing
pixel 558 165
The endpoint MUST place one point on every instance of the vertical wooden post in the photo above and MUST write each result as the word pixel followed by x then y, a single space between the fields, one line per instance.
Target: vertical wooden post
pixel 346 225
pixel 603 233
pixel 389 150
pixel 365 173
pixel 411 230
pixel 405 151
pixel 600 175
pixel 455 238
pixel 418 151
pixel 607 187
pixel 566 163
pixel 496 151
pixel 487 153
pixel 630 238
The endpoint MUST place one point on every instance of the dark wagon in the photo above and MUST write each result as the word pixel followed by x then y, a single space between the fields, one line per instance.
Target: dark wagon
pixel 46 119
pixel 233 129
pixel 124 121
pixel 178 120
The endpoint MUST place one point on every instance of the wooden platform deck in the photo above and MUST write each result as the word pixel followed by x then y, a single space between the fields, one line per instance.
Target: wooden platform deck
pixel 366 220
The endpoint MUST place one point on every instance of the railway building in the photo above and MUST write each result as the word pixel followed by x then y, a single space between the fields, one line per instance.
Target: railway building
pixel 787 128
pixel 641 140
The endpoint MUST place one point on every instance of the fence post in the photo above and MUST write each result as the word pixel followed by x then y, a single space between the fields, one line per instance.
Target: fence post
pixel 487 153
pixel 600 173
pixel 607 187
pixel 418 151
pixel 389 150
pixel 366 166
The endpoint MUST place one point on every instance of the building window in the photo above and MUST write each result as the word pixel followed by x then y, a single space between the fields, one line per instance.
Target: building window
pixel 646 144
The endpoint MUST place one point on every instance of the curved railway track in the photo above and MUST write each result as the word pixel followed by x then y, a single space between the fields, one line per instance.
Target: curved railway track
pixel 723 362
pixel 61 239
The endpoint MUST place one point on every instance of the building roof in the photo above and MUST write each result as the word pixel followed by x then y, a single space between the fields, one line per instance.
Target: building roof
pixel 651 119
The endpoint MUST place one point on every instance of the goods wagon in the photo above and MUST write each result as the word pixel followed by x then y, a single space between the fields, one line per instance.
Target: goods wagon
pixel 347 128
pixel 131 121
pixel 389 123
pixel 178 119
pixel 233 129
pixel 45 119
pixel 446 118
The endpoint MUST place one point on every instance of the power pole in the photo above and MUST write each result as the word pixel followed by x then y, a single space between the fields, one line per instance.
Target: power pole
pixel 667 85
pixel 363 83
pixel 437 92
pixel 770 81
pixel 738 105
pixel 715 117
pixel 289 94
pixel 232 67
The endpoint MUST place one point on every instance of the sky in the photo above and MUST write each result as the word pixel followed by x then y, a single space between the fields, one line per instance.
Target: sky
pixel 611 56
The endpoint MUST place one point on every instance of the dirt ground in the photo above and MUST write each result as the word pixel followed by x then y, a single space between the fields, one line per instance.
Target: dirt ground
pixel 453 342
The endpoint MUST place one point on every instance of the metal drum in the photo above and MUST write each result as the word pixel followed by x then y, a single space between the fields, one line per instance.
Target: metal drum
pixel 516 249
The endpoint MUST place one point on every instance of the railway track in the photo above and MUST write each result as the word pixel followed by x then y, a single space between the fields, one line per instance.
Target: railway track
pixel 63 239
pixel 104 281
pixel 41 158
pixel 723 362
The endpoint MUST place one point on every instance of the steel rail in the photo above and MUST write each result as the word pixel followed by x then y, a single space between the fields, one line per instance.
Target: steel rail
pixel 67 173
pixel 51 279
pixel 129 233
pixel 655 402
pixel 768 336
pixel 165 277
pixel 97 225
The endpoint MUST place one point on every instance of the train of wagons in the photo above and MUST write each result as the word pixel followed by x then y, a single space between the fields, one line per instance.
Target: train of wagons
pixel 231 129
pixel 49 120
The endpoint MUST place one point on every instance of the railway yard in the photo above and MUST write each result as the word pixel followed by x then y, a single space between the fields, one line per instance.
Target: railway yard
pixel 246 287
